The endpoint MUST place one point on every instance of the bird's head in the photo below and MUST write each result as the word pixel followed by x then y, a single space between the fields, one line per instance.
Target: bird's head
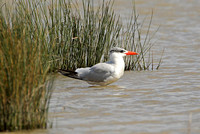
pixel 121 52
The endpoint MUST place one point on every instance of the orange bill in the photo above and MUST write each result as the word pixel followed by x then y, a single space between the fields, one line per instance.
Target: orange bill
pixel 131 53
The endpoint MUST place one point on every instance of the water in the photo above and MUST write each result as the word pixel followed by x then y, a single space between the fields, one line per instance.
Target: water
pixel 165 101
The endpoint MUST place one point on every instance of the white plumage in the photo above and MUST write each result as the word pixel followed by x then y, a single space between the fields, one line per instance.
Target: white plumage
pixel 103 73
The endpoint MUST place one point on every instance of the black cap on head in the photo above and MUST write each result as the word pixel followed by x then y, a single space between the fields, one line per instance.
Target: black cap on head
pixel 117 49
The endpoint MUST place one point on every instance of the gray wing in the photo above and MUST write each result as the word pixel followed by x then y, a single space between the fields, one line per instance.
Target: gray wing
pixel 97 73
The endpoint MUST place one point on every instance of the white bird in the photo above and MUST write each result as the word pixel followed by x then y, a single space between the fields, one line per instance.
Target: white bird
pixel 102 73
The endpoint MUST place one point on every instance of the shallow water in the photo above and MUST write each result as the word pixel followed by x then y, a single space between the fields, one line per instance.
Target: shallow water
pixel 164 101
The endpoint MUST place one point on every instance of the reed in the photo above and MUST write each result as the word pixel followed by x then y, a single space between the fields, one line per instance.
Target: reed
pixel 25 89
pixel 134 38
pixel 85 34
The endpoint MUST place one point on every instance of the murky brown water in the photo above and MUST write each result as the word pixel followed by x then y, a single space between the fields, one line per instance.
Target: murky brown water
pixel 166 101
pixel 163 101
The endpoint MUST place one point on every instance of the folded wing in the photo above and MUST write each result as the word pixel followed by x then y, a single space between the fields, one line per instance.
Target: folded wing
pixel 97 73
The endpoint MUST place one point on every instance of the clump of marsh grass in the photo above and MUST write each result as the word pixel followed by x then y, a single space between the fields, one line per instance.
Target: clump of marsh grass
pixel 86 33
pixel 25 89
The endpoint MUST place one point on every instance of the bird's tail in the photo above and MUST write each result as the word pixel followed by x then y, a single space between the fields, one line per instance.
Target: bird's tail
pixel 71 74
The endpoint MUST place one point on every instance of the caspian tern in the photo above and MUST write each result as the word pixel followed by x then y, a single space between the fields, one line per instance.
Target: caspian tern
pixel 102 73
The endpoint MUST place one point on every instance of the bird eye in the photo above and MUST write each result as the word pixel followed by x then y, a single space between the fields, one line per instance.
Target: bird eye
pixel 122 51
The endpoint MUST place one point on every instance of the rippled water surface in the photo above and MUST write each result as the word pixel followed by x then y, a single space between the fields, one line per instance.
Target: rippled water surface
pixel 162 101
pixel 165 101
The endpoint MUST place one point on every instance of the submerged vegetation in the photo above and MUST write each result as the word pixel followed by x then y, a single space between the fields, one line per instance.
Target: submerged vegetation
pixel 39 36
